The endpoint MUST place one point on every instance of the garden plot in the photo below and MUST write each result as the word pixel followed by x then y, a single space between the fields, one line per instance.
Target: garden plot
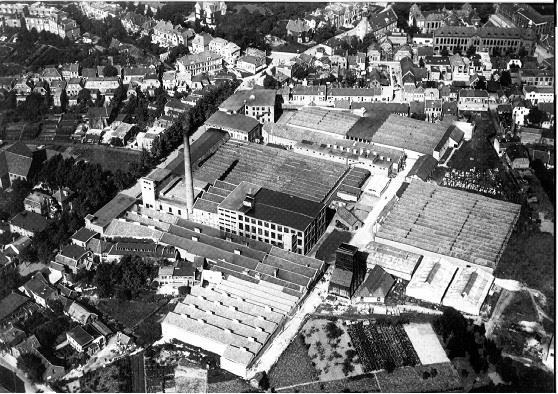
pixel 331 350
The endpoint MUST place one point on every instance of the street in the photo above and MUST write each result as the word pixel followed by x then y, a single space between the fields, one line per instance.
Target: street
pixel 365 234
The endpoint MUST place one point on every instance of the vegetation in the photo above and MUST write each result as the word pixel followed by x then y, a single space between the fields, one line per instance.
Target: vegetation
pixel 9 280
pixel 294 366
pixel 126 279
pixel 32 366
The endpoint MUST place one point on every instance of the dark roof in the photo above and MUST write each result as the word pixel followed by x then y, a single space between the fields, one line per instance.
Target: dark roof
pixel 378 283
pixel 347 216
pixel 517 152
pixel 73 252
pixel 341 277
pixel 10 304
pixel 284 209
pixel 83 234
pixel 29 221
pixel 39 286
pixel 366 127
pixel 222 120
pixel 184 268
pixel 82 337
pixel 113 209
pixel 423 167
pixel 19 159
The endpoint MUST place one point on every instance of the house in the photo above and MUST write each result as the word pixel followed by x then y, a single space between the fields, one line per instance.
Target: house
pixel 207 12
pixel 19 162
pixel 122 133
pixel 260 104
pixel 14 307
pixel 50 74
pixel 174 108
pixel 200 43
pixel 74 257
pixel 520 113
pixel 433 110
pixel 39 290
pixel 472 100
pixel 229 51
pixel 422 169
pixel 240 127
pixel 347 219
pixel 15 248
pixel 402 52
pixel 181 274
pixel 64 197
pixel 37 202
pixel 79 313
pixel 27 223
pixel 299 30
pixel 97 117
pixel 252 64
pixel 375 287
pixel 135 73
pixel 382 23
pixel 530 135
pixel 70 71
pixel 202 62
pixel 538 94
pixel 82 237
pixel 517 157
pixel 85 339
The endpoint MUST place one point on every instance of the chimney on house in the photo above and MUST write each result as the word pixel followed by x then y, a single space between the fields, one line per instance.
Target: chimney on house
pixel 188 181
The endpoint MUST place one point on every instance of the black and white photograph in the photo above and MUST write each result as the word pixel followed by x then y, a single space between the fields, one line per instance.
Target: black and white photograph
pixel 277 197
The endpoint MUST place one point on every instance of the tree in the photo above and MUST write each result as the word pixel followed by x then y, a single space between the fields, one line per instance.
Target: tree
pixel 269 82
pixel 9 280
pixel 505 78
pixel 522 52
pixel 536 116
pixel 389 365
pixel 444 51
pixel 421 63
pixel 103 280
pixel 34 107
pixel 84 99
pixel 471 51
pixel 32 366
pixel 110 71
pixel 457 50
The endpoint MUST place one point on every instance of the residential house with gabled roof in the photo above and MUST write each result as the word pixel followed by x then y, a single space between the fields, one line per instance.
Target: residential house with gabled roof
pixel 137 73
pixel 402 52
pixel 200 43
pixel 251 64
pixel 82 237
pixel 19 162
pixel 38 289
pixel 299 29
pixel 74 257
pixel 70 70
pixel 204 62
pixel 79 313
pixel 87 73
pixel 50 74
pixel 375 287
pixel 28 223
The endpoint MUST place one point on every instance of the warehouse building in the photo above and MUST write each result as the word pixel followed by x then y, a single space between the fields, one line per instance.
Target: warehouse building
pixel 431 280
pixel 468 290
pixel 397 262
pixel 460 227
pixel 283 220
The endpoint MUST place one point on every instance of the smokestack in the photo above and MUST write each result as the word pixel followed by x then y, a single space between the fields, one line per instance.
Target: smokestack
pixel 188 182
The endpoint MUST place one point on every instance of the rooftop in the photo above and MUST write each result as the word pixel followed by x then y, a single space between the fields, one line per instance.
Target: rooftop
pixel 29 221
pixel 376 284
pixel 254 97
pixel 237 122
pixel 410 134
pixel 430 281
pixel 114 208
pixel 448 222
pixel 468 290
pixel 273 206
pixel 398 262
pixel 323 120
pixel 11 303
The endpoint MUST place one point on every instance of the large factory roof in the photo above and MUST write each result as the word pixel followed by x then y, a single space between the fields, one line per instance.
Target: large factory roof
pixel 323 120
pixel 410 134
pixel 454 223
pixel 395 261
pixel 272 168
pixel 112 210
pixel 273 206
pixel 240 316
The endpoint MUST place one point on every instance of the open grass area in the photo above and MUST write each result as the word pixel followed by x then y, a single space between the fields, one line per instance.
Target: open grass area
pixel 110 158
pixel 127 313
pixel 356 384
pixel 438 378
pixel 294 366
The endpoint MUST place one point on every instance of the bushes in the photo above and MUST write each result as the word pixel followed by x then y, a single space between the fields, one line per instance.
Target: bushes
pixel 333 332
pixel 32 366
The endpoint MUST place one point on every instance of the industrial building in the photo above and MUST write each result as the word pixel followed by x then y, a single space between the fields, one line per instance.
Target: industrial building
pixel 460 227
pixel 468 290
pixel 260 104
pixel 283 220
pixel 431 280
pixel 397 262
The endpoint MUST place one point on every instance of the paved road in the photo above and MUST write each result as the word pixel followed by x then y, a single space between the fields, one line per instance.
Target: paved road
pixel 365 234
